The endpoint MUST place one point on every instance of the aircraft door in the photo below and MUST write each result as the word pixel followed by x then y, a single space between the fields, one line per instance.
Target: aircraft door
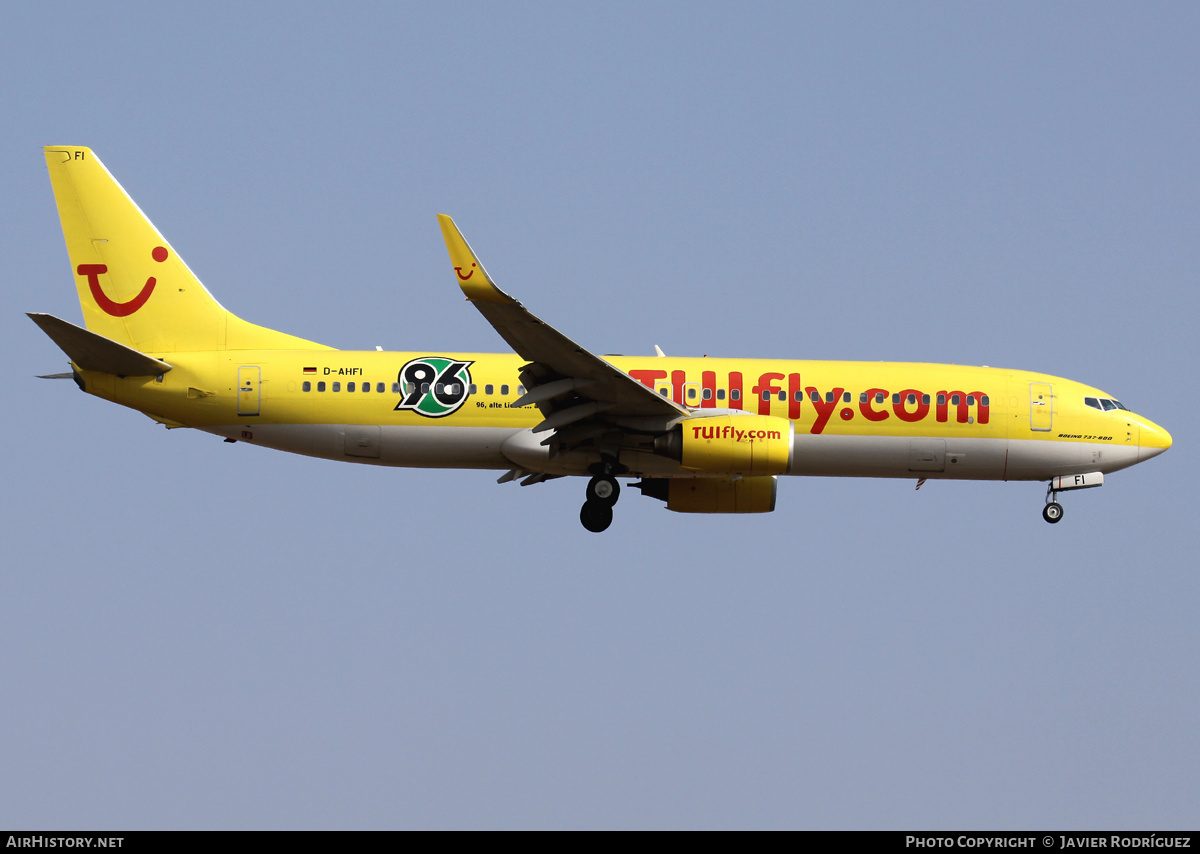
pixel 1041 407
pixel 249 389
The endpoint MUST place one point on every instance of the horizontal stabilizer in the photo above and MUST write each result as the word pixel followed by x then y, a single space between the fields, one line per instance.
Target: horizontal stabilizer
pixel 93 352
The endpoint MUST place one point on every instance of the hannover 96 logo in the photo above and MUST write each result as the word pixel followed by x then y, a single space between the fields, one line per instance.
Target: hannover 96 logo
pixel 434 386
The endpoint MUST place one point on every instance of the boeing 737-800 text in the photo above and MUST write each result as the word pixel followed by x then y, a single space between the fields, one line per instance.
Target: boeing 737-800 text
pixel 704 435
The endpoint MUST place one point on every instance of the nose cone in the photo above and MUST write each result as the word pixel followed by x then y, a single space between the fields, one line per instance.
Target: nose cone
pixel 1154 440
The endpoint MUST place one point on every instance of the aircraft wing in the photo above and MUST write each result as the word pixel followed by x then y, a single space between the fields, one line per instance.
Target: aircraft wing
pixel 570 385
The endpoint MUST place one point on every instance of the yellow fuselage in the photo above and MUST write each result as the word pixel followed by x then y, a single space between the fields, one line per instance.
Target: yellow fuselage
pixel 878 419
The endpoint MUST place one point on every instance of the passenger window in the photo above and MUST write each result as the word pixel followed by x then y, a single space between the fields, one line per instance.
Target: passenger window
pixel 520 390
pixel 321 386
pixel 473 388
pixel 766 395
pixel 816 397
pixel 954 399
pixel 720 394
pixel 438 388
pixel 829 398
pixel 503 390
pixel 489 389
pixel 349 386
pixel 925 399
pixel 912 398
pixel 337 386
pixel 941 400
pixel 896 398
pixel 783 395
pixel 366 386
pixel 708 394
pixel 424 388
pixel 663 392
pixel 984 400
pixel 307 386
pixel 846 397
pixel 879 397
pixel 736 394
pixel 862 398
pixel 691 394
pixel 799 396
pixel 970 400
pixel 395 388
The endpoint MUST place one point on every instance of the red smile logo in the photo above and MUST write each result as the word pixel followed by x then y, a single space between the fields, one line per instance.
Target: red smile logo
pixel 120 309
pixel 470 273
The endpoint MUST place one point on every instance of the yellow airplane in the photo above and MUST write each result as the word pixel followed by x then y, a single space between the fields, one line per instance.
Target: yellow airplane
pixel 704 435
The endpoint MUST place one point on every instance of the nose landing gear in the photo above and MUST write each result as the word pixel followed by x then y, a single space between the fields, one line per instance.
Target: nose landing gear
pixel 1053 511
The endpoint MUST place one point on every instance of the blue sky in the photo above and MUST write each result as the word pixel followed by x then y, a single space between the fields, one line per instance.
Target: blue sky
pixel 208 635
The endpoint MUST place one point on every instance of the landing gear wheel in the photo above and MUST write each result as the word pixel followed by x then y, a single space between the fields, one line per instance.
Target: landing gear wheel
pixel 596 516
pixel 1052 512
pixel 603 489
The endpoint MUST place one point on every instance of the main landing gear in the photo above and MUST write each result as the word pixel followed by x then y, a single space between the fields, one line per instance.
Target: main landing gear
pixel 602 493
pixel 1053 511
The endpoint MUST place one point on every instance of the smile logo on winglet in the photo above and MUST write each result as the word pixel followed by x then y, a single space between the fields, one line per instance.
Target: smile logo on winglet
pixel 110 306
pixel 470 273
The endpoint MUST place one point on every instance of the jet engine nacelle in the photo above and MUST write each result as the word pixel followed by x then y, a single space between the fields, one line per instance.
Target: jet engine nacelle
pixel 747 445
pixel 713 494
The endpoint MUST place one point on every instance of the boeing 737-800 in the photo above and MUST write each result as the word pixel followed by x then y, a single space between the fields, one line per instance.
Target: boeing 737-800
pixel 704 435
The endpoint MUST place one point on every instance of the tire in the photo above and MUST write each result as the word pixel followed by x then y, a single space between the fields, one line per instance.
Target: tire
pixel 596 516
pixel 1052 512
pixel 604 489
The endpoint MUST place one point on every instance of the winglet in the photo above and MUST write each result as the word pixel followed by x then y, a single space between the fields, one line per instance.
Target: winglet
pixel 472 278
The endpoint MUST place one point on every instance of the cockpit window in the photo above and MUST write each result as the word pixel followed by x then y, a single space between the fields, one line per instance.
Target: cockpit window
pixel 1105 404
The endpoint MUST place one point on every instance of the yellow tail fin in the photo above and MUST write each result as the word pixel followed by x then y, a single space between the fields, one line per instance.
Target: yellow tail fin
pixel 133 287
